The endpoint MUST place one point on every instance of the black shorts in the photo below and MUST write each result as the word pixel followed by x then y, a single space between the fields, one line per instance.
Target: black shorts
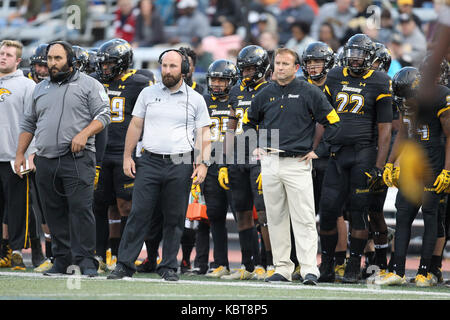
pixel 244 189
pixel 112 182
pixel 377 199
pixel 217 199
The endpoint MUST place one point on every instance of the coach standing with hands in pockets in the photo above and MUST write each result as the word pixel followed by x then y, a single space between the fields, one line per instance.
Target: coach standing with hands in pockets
pixel 292 107
pixel 169 114
pixel 66 112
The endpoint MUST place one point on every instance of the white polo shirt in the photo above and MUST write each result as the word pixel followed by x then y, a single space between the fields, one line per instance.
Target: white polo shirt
pixel 170 118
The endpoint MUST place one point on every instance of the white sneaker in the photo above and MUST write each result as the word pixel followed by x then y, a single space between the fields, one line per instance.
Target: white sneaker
pixel 218 272
pixel 259 273
pixel 390 279
pixel 239 274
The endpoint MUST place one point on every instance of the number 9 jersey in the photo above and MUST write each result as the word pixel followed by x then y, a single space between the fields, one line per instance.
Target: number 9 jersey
pixel 361 103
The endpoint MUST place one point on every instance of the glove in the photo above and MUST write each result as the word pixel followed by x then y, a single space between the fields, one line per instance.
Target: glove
pixel 387 174
pixel 223 178
pixel 395 176
pixel 195 190
pixel 259 182
pixel 375 179
pixel 97 174
pixel 442 181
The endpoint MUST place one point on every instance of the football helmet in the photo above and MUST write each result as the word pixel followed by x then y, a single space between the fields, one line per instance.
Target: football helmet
pixel 318 51
pixel 405 83
pixel 253 55
pixel 81 58
pixel 383 56
pixel 39 57
pixel 118 54
pixel 221 69
pixel 359 53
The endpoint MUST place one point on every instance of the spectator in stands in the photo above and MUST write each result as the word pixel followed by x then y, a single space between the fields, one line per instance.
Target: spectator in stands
pixel 406 6
pixel 192 24
pixel 414 42
pixel 149 26
pixel 337 13
pixel 204 58
pixel 27 10
pixel 327 35
pixel 395 45
pixel 219 47
pixel 125 21
pixel 360 20
pixel 386 26
pixel 221 10
pixel 298 10
pixel 268 40
pixel 300 37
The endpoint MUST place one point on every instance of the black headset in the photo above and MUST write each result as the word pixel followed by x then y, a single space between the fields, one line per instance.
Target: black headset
pixel 185 66
pixel 71 58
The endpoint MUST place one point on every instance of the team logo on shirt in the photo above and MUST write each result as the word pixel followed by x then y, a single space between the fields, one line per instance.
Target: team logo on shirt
pixel 4 93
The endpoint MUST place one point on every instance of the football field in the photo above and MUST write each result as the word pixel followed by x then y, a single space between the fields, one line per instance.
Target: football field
pixel 17 285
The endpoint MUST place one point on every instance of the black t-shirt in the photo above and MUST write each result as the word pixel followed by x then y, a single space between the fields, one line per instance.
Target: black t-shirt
pixel 361 103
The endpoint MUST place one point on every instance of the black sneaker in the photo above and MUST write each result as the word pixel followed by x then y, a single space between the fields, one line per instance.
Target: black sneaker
pixel 119 272
pixel 352 270
pixel 326 269
pixel 168 275
pixel 276 277
pixel 185 266
pixel 146 266
pixel 196 272
pixel 55 271
pixel 310 279
pixel 37 256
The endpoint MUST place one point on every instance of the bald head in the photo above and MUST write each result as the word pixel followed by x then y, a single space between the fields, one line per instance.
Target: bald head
pixel 171 69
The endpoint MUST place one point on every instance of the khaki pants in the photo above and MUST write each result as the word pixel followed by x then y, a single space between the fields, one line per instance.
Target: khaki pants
pixel 289 197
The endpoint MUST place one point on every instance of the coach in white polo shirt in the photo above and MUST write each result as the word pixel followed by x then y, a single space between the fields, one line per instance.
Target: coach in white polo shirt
pixel 170 115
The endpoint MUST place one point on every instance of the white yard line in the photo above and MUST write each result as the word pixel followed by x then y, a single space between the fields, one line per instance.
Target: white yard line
pixel 290 286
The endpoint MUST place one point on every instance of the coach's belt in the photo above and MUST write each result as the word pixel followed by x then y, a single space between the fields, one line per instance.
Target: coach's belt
pixel 290 155
pixel 167 156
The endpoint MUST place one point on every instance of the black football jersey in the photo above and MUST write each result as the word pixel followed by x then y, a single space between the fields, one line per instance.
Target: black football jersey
pixel 428 130
pixel 122 94
pixel 219 112
pixel 240 100
pixel 361 103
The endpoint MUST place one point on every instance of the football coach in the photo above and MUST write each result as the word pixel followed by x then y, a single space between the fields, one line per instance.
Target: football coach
pixel 292 107
pixel 67 110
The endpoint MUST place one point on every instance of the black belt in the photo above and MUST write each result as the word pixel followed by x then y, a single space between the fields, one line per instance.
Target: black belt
pixel 166 156
pixel 291 155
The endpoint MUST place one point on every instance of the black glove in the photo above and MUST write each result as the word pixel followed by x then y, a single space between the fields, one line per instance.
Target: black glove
pixel 375 179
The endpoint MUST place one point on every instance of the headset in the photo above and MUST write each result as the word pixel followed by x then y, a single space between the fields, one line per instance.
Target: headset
pixel 185 66
pixel 71 58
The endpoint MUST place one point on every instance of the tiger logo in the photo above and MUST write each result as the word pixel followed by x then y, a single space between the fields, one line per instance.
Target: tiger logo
pixel 3 93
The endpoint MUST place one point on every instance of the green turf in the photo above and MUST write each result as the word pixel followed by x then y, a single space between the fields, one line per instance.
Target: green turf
pixel 27 285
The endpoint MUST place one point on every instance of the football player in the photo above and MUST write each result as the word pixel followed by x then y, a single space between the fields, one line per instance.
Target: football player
pixel 363 102
pixel 81 58
pixel 220 78
pixel 114 188
pixel 432 177
pixel 38 64
pixel 244 176
pixel 317 60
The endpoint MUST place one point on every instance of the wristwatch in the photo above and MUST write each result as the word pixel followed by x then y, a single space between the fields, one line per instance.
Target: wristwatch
pixel 207 163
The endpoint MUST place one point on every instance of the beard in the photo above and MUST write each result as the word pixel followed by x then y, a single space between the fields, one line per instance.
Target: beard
pixel 170 81
pixel 58 75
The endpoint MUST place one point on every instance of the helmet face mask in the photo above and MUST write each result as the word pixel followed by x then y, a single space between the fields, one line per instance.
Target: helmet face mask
pixel 254 56
pixel 39 58
pixel 317 55
pixel 383 59
pixel 221 69
pixel 116 55
pixel 359 53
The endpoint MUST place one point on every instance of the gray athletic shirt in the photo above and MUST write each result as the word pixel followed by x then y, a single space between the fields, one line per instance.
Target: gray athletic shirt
pixel 59 111
pixel 166 129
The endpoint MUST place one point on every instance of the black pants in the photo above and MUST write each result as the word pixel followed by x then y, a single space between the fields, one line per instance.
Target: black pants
pixel 66 190
pixel 345 179
pixel 319 168
pixel 217 201
pixel 15 195
pixel 156 179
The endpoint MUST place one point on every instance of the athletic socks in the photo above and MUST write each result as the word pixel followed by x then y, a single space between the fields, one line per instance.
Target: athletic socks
pixel 357 247
pixel 328 243
pixel 246 240
pixel 340 257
